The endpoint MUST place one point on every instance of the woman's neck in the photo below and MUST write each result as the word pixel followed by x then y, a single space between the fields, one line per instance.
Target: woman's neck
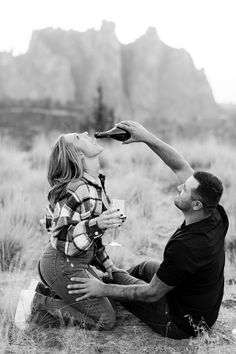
pixel 92 166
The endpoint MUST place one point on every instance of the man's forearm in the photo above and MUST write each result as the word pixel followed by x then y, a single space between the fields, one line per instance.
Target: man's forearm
pixel 167 153
pixel 147 292
pixel 131 292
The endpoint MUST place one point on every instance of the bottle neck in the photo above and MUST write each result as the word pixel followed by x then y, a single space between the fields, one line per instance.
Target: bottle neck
pixel 109 133
pixel 100 135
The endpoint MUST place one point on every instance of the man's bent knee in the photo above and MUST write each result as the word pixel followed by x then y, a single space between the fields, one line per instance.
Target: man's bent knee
pixel 145 270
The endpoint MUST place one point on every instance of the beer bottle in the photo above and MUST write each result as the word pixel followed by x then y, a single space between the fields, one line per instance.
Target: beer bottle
pixel 116 133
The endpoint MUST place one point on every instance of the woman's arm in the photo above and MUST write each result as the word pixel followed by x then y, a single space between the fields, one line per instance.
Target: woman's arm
pixel 73 220
pixel 101 259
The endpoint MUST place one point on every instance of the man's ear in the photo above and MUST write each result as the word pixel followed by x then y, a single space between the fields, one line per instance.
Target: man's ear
pixel 197 205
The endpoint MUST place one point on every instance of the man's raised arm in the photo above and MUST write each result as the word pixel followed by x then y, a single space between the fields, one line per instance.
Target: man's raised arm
pixel 167 153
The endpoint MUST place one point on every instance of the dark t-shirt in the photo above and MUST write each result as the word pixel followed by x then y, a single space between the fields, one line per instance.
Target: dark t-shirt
pixel 193 262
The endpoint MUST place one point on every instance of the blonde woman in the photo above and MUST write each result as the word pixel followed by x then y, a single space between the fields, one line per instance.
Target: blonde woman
pixel 78 214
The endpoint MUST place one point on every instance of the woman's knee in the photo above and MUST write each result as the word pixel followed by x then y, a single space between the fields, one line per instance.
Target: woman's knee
pixel 107 320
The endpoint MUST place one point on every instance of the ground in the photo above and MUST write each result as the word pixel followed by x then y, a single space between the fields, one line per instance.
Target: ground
pixel 129 335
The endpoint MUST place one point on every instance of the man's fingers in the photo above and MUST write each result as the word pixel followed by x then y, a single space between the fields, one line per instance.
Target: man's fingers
pixel 84 297
pixel 129 141
pixel 125 126
pixel 76 286
pixel 126 122
pixel 122 124
pixel 79 280
pixel 77 291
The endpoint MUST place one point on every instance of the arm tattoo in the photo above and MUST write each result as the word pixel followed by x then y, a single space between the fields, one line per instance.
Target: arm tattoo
pixel 149 292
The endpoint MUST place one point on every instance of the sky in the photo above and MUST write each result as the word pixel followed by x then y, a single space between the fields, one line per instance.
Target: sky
pixel 205 28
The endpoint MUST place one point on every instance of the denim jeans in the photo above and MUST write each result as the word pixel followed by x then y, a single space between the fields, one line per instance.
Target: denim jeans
pixel 156 314
pixel 56 270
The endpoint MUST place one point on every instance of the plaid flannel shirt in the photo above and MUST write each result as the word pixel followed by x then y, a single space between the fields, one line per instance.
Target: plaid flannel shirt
pixel 72 221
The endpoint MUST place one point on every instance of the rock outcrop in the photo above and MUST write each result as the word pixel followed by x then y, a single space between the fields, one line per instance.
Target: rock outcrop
pixel 143 80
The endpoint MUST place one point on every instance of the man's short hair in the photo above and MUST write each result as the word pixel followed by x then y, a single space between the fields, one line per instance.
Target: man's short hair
pixel 209 191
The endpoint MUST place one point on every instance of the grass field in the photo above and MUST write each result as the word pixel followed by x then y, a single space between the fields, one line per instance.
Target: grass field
pixel 135 174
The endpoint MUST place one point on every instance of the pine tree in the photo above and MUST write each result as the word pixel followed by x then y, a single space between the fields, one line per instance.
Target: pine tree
pixel 102 117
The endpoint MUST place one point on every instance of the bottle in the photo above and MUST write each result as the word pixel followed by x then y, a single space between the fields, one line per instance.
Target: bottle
pixel 116 133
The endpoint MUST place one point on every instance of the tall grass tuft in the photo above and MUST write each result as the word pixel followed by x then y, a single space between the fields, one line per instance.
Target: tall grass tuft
pixel 22 202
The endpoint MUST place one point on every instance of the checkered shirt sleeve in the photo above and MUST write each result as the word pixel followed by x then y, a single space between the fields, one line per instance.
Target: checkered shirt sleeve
pixel 73 223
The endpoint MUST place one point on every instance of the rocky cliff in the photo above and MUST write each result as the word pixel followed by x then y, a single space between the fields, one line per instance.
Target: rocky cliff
pixel 143 80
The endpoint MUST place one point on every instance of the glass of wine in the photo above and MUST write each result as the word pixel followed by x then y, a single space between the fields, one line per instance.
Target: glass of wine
pixel 118 204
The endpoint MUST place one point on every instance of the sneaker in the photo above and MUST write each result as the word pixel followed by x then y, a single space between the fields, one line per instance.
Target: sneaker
pixel 33 284
pixel 23 310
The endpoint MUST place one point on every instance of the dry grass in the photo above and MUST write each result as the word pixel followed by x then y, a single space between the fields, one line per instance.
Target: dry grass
pixel 148 187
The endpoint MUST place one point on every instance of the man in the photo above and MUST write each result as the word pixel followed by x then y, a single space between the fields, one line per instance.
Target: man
pixel 182 295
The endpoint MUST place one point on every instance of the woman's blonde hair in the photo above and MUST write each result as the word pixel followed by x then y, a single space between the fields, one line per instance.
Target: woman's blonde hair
pixel 65 165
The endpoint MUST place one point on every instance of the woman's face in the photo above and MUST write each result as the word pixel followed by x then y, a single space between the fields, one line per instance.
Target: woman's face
pixel 85 143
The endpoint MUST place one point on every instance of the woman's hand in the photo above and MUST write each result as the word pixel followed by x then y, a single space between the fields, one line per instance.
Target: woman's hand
pixel 110 218
pixel 108 274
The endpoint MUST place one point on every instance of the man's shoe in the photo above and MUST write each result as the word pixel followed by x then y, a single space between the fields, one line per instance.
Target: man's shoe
pixel 24 308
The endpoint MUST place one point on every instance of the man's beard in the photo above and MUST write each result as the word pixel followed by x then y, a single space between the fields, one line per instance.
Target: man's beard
pixel 183 207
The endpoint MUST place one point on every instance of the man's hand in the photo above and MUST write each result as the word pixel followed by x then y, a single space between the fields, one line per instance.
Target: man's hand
pixel 87 287
pixel 137 131
pixel 110 218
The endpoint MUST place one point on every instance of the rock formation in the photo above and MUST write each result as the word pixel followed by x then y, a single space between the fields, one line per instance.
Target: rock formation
pixel 144 80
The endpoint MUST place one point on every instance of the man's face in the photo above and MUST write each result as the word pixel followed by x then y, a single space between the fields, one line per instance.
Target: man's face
pixel 85 143
pixel 184 200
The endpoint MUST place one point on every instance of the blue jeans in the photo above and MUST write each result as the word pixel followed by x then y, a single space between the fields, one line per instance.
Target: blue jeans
pixel 56 270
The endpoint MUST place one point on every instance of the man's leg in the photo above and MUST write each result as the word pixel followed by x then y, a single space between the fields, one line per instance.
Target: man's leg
pixel 139 274
pixel 150 313
pixel 156 314
pixel 145 270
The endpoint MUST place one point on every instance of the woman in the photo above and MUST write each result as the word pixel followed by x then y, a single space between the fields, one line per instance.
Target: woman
pixel 78 214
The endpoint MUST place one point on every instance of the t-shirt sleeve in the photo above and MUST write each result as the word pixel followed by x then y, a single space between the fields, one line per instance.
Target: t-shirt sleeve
pixel 178 264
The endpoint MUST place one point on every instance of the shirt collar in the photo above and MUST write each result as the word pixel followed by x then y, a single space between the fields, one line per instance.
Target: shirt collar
pixel 92 180
pixel 199 223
